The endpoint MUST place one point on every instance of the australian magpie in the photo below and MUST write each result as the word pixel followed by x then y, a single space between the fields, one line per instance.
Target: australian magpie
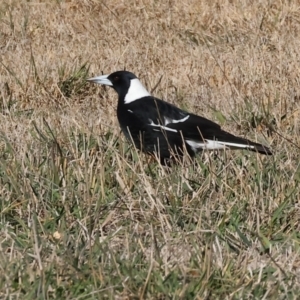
pixel 158 127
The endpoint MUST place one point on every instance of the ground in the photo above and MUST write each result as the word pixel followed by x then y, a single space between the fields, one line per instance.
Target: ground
pixel 86 216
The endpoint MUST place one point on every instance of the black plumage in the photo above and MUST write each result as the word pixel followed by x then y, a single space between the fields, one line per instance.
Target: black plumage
pixel 158 127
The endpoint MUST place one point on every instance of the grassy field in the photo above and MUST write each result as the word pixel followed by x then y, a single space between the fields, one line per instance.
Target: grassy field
pixel 86 216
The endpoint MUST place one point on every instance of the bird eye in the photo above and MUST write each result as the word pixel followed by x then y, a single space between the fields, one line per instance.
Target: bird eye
pixel 116 78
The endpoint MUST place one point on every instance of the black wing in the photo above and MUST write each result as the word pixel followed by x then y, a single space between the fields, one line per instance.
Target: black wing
pixel 166 114
pixel 156 120
pixel 172 127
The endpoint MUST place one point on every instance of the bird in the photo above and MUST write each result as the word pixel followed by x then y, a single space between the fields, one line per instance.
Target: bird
pixel 162 129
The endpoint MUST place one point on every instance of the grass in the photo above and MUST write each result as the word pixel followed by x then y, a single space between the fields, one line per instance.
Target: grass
pixel 84 215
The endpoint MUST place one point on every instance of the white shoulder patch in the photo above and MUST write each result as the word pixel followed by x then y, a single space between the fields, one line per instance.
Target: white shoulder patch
pixel 135 91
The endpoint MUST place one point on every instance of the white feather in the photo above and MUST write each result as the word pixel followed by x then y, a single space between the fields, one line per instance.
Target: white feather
pixel 161 126
pixel 135 91
pixel 215 145
pixel 169 121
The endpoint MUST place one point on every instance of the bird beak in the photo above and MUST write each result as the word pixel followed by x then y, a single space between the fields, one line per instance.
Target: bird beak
pixel 101 80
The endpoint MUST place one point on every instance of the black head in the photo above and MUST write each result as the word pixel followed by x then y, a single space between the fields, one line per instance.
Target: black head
pixel 121 81
pixel 125 83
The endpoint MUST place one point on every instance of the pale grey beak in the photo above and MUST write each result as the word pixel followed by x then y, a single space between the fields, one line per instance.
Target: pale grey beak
pixel 101 80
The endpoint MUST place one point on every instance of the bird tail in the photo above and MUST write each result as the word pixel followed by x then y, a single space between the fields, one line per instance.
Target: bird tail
pixel 262 149
pixel 246 144
pixel 227 140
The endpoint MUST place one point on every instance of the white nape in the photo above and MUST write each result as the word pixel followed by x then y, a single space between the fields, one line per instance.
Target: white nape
pixel 215 145
pixel 169 121
pixel 135 91
pixel 161 126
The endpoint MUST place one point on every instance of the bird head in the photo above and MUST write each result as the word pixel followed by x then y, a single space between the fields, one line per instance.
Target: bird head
pixel 126 84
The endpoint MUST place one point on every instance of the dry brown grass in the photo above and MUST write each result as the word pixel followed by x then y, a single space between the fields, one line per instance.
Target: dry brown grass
pixel 83 216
